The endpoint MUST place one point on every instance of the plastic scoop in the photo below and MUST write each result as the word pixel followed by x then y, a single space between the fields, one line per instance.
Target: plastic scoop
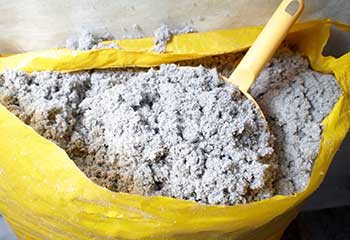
pixel 265 45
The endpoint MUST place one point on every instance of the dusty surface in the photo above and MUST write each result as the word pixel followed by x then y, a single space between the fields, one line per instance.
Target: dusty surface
pixel 87 41
pixel 179 132
pixel 295 100
pixel 67 109
pixel 162 35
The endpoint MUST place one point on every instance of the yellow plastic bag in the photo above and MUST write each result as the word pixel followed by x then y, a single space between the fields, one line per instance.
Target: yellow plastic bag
pixel 43 195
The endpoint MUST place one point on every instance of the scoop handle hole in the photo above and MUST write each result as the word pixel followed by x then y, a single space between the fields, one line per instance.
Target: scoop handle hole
pixel 292 8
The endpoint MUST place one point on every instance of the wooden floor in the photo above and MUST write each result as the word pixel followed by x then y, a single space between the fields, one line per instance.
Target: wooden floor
pixel 327 224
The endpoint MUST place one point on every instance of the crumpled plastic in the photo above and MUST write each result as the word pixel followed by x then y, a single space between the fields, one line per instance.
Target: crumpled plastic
pixel 43 195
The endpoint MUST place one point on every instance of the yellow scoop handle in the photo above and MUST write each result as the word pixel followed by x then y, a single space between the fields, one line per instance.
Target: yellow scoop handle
pixel 266 44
